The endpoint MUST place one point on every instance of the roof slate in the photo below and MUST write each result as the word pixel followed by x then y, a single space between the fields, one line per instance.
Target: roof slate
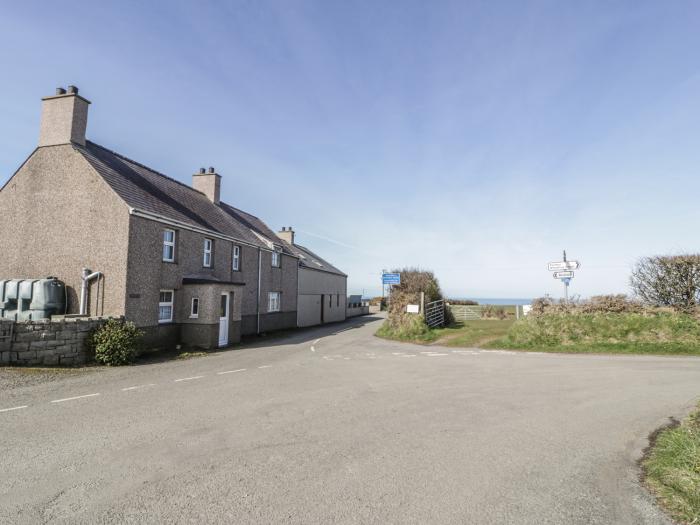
pixel 307 258
pixel 148 190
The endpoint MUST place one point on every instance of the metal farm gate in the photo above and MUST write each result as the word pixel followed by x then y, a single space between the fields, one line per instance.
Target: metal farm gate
pixel 435 313
pixel 465 312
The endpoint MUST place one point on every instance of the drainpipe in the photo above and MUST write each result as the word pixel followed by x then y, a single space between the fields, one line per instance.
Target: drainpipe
pixel 259 281
pixel 86 278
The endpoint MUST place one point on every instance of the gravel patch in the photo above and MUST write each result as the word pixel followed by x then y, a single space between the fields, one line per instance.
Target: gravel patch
pixel 15 377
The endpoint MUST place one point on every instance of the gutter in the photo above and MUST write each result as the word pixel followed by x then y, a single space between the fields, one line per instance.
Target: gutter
pixel 179 224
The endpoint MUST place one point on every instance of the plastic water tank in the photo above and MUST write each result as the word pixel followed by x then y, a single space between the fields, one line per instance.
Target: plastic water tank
pixel 25 299
pixel 48 298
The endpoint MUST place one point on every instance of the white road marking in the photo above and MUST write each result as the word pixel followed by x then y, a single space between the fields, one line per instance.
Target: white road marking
pixel 265 366
pixel 401 353
pixel 313 349
pixel 73 398
pixel 188 378
pixel 231 371
pixel 137 387
pixel 435 355
pixel 316 341
pixel 409 355
pixel 13 408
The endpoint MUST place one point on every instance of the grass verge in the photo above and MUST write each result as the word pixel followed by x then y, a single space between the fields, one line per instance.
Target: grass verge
pixel 671 469
pixel 460 334
pixel 616 333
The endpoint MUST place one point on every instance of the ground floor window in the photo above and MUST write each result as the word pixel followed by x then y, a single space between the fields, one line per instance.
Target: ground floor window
pixel 194 310
pixel 273 302
pixel 165 306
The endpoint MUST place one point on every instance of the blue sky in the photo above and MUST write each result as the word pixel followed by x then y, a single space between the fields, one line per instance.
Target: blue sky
pixel 476 139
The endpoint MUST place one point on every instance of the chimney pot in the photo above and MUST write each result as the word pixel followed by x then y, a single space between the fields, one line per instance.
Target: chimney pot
pixel 60 91
pixel 72 90
pixel 202 171
pixel 211 170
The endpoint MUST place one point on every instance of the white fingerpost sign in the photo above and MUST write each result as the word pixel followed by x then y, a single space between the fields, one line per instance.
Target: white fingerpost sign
pixel 564 271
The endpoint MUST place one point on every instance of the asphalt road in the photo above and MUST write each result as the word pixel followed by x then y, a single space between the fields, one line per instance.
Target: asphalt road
pixel 333 425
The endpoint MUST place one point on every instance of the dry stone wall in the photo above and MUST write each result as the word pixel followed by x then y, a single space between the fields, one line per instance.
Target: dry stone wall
pixel 46 343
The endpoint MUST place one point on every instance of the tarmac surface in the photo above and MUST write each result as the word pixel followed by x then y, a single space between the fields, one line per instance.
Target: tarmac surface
pixel 333 425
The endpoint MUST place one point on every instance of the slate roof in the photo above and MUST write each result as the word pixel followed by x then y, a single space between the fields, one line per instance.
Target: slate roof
pixel 147 190
pixel 308 259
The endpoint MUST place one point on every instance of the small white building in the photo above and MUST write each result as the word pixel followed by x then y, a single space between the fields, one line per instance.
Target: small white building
pixel 322 293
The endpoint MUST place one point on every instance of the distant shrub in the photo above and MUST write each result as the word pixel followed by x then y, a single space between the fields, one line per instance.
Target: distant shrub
pixel 596 304
pixel 462 302
pixel 115 343
pixel 493 312
pixel 668 280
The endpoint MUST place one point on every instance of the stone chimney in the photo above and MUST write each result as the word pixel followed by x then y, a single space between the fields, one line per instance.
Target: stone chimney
pixel 287 235
pixel 209 183
pixel 63 118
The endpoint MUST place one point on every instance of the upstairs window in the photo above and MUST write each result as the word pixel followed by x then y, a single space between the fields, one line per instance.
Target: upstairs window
pixel 273 301
pixel 236 264
pixel 165 306
pixel 168 245
pixel 208 244
pixel 275 259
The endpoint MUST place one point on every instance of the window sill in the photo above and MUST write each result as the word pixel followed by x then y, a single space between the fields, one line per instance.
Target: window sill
pixel 165 322
pixel 193 317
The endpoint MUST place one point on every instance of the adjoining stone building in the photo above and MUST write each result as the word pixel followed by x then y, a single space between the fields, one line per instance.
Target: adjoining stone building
pixel 174 259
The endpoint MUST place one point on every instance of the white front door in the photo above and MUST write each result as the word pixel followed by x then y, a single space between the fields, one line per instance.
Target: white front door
pixel 223 320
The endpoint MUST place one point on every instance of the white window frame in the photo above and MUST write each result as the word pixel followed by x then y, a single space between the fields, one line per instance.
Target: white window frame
pixel 207 255
pixel 236 258
pixel 193 314
pixel 274 301
pixel 162 304
pixel 168 244
pixel 276 259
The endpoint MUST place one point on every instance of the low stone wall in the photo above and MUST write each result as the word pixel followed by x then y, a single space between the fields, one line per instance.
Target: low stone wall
pixel 48 343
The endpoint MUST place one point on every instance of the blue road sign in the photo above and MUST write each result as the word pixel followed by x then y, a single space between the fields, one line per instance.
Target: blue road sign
pixel 391 278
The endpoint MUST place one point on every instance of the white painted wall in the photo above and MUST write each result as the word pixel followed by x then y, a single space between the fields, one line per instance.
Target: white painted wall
pixel 313 285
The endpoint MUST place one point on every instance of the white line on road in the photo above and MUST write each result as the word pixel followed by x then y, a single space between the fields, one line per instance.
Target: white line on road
pixel 434 355
pixel 188 378
pixel 316 341
pixel 73 398
pixel 265 366
pixel 13 408
pixel 313 349
pixel 231 371
pixel 137 387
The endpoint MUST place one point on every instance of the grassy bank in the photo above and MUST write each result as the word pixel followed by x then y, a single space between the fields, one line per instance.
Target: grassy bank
pixel 460 334
pixel 672 469
pixel 662 333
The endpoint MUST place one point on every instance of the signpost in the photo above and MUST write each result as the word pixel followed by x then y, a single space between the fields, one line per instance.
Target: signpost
pixel 563 275
pixel 391 278
pixel 564 271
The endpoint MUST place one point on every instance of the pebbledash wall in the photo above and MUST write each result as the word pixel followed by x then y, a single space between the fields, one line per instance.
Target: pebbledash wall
pixel 32 343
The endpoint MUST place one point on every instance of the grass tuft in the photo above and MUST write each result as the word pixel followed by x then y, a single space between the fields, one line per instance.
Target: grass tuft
pixel 672 469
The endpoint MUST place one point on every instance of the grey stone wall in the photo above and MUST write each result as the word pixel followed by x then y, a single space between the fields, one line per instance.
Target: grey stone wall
pixel 47 343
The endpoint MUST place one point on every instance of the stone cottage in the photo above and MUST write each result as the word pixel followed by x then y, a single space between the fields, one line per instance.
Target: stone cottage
pixel 174 259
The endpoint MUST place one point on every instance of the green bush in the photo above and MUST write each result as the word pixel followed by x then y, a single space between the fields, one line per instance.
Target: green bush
pixel 115 343
pixel 405 327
